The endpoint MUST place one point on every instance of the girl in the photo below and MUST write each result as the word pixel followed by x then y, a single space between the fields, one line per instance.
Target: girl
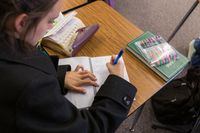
pixel 31 99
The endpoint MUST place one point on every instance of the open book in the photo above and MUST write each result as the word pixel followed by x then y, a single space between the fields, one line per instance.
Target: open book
pixel 97 65
pixel 68 35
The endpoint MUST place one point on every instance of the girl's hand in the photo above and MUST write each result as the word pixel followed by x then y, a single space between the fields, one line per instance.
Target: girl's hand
pixel 117 69
pixel 74 80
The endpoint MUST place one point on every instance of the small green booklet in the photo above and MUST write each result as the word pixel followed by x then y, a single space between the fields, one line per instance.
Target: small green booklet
pixel 166 71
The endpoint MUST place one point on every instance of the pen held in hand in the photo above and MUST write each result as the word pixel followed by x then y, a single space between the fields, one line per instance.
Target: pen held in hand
pixel 118 56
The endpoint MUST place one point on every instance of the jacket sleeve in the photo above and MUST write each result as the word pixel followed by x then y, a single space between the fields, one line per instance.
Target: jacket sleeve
pixel 61 72
pixel 41 108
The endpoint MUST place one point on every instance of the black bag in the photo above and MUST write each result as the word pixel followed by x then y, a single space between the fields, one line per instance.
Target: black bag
pixel 178 102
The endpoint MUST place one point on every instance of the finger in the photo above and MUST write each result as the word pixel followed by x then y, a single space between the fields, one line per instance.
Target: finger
pixel 79 67
pixel 90 76
pixel 113 57
pixel 79 89
pixel 84 72
pixel 108 64
pixel 89 82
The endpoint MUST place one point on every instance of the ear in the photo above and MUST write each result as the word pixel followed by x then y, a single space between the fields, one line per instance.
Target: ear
pixel 20 22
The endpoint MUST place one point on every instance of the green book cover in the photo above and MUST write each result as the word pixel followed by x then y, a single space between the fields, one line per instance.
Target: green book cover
pixel 166 71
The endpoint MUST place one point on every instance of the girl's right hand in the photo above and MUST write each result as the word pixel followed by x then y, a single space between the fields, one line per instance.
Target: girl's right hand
pixel 117 69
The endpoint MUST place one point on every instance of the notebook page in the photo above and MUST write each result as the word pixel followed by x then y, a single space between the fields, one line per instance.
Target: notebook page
pixel 78 99
pixel 100 69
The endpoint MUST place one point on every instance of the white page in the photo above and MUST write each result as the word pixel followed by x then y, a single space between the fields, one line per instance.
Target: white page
pixel 78 99
pixel 100 69
pixel 60 22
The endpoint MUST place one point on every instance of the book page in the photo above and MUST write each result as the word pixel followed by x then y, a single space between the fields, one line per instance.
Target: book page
pixel 100 69
pixel 78 99
pixel 60 22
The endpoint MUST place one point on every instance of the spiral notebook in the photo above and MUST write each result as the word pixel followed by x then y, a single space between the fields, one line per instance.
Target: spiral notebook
pixel 97 65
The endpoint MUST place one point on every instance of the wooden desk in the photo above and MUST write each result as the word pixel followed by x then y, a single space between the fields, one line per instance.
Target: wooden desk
pixel 114 33
pixel 68 4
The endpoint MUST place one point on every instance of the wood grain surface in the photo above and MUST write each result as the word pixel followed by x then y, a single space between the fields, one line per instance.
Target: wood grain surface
pixel 114 33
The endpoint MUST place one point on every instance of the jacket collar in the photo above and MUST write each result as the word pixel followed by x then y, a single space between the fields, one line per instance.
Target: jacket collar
pixel 35 60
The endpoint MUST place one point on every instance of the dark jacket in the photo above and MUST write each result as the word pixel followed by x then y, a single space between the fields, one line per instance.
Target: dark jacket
pixel 195 60
pixel 31 99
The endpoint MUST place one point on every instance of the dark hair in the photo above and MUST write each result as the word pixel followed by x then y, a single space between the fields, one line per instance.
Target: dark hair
pixel 9 9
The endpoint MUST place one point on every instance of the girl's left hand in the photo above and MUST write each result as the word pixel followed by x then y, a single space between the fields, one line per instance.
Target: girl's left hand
pixel 74 80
